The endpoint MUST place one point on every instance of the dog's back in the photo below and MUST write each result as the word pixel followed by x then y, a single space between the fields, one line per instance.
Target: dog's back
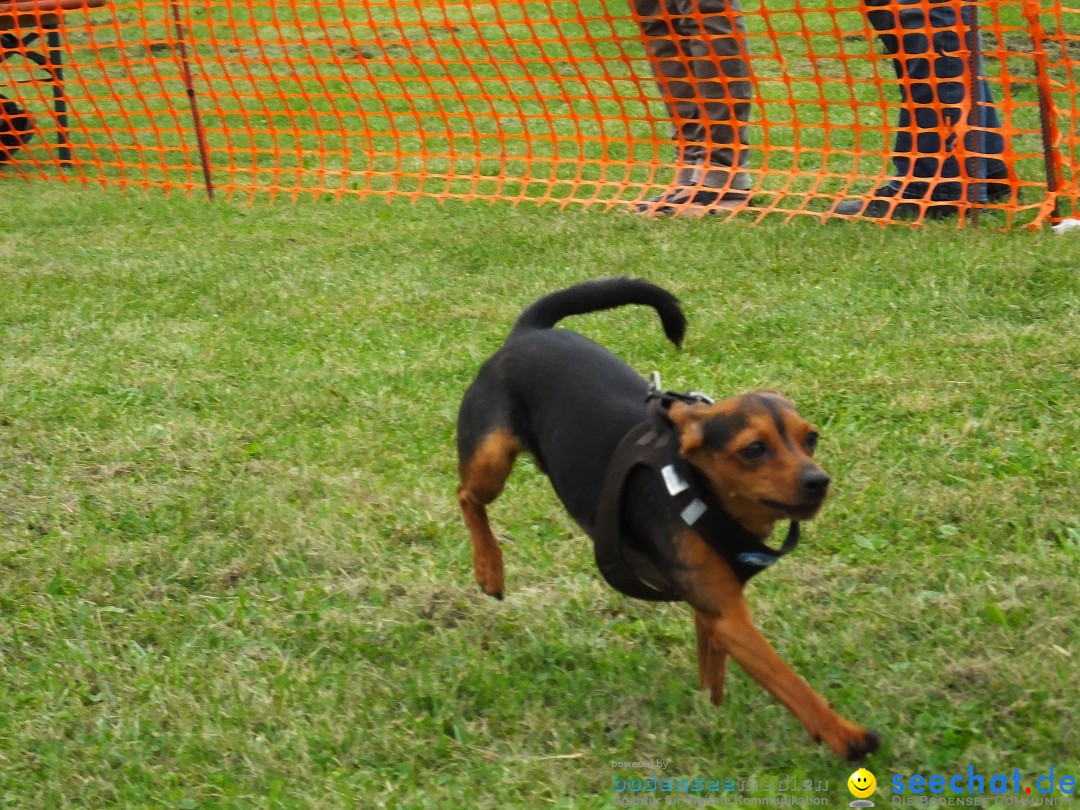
pixel 566 399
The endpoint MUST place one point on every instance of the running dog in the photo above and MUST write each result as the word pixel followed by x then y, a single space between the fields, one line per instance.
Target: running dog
pixel 677 492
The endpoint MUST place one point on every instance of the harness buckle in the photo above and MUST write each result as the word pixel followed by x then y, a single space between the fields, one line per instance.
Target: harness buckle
pixel 669 398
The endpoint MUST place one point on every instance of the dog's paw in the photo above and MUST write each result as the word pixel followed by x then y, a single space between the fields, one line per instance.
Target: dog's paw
pixel 489 575
pixel 488 568
pixel 496 594
pixel 849 740
pixel 870 743
pixel 492 586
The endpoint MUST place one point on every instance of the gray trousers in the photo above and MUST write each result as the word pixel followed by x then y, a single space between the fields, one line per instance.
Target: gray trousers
pixel 698 56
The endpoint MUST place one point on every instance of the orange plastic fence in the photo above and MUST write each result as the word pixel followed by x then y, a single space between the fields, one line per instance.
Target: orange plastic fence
pixel 532 101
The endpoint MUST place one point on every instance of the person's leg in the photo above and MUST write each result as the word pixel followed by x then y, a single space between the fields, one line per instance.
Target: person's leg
pixel 986 142
pixel 718 63
pixel 698 58
pixel 932 71
pixel 16 129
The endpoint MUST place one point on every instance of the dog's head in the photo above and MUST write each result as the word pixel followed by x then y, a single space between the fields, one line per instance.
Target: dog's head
pixel 757 453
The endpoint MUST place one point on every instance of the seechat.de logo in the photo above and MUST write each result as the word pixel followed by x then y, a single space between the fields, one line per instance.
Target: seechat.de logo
pixel 1003 786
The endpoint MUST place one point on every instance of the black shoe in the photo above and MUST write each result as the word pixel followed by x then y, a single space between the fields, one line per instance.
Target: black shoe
pixel 879 204
pixel 691 201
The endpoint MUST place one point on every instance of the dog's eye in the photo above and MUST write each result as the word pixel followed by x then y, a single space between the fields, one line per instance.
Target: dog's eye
pixel 811 443
pixel 754 451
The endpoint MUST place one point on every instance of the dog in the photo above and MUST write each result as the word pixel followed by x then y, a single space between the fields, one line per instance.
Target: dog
pixel 745 462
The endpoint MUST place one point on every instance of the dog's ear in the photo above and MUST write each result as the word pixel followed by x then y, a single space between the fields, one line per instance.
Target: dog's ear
pixel 690 422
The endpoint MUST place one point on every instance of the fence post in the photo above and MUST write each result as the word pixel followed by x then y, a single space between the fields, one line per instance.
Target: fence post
pixel 189 87
pixel 1050 134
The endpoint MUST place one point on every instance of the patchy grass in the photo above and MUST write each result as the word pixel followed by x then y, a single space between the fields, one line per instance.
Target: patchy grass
pixel 232 572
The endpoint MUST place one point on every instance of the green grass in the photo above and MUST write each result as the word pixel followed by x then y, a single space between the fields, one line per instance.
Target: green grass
pixel 233 574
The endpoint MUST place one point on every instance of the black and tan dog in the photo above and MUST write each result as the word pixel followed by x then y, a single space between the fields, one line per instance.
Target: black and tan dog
pixel 745 463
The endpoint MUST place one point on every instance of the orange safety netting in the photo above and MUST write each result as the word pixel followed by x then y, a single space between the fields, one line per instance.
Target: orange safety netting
pixel 556 101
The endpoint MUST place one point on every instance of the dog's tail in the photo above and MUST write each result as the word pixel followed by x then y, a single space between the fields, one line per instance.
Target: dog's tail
pixel 605 293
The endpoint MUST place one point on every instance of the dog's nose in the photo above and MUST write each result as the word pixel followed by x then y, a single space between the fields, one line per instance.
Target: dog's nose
pixel 814 482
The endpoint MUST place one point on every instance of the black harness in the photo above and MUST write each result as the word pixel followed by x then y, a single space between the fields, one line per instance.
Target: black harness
pixel 655 444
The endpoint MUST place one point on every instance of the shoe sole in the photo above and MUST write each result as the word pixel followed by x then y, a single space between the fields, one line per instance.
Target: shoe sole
pixel 690 211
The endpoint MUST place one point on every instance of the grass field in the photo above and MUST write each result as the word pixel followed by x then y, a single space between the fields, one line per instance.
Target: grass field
pixel 233 573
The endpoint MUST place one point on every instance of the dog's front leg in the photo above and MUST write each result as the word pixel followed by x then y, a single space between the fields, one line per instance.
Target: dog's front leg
pixel 725 627
pixel 735 632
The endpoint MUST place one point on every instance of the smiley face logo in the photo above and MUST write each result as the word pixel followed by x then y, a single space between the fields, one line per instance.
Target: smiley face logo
pixel 861 783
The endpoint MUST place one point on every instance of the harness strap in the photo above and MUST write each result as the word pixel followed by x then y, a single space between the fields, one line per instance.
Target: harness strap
pixel 607 532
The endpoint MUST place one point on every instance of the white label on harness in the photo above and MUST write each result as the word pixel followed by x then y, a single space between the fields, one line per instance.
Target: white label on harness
pixel 693 511
pixel 674 481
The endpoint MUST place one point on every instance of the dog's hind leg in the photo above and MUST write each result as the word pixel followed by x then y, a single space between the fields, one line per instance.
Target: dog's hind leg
pixel 712 660
pixel 484 469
